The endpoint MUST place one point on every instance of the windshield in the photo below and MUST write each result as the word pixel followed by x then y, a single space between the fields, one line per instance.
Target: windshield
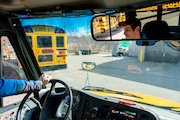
pixel 108 66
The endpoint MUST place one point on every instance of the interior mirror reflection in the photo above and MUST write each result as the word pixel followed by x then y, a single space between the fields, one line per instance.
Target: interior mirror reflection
pixel 114 27
pixel 106 27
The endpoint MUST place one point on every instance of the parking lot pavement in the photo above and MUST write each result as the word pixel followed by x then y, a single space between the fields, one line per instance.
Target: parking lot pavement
pixel 122 73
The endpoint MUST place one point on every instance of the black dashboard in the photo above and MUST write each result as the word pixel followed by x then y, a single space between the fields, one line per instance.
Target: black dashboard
pixel 89 106
pixel 93 107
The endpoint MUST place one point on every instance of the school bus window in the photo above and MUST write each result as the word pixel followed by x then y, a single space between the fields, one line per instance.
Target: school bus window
pixel 44 41
pixel 45 58
pixel 59 41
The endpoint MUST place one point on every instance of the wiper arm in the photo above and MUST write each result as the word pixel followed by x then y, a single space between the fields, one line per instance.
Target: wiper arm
pixel 102 89
pixel 95 88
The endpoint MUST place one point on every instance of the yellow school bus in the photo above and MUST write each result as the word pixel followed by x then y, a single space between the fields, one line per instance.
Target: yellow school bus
pixel 49 44
pixel 101 24
pixel 167 6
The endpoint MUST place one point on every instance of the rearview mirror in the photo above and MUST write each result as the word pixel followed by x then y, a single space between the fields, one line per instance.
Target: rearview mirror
pixel 105 27
pixel 109 28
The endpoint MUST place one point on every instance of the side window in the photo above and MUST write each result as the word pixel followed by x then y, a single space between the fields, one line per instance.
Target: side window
pixel 146 14
pixel 60 41
pixel 172 19
pixel 10 68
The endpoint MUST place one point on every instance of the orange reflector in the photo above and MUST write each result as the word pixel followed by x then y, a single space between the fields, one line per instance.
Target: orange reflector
pixel 61 52
pixel 127 102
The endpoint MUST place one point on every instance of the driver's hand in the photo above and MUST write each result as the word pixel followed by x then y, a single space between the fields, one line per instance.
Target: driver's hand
pixel 44 78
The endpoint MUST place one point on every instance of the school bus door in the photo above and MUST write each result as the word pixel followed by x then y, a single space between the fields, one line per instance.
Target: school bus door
pixel 49 50
pixel 42 46
pixel 43 49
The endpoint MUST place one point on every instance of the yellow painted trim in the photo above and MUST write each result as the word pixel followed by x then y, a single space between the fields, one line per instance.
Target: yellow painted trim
pixel 142 98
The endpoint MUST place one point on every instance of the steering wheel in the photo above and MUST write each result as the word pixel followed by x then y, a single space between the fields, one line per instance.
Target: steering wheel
pixel 52 94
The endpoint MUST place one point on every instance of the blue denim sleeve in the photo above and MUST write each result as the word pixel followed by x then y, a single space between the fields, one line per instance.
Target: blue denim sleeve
pixel 11 86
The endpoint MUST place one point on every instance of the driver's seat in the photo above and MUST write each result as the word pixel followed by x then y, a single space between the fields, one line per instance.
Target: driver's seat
pixel 157 30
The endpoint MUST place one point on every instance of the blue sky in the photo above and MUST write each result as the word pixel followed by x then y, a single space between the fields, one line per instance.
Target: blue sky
pixel 73 25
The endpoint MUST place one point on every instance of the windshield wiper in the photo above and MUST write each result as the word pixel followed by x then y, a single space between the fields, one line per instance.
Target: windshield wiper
pixel 102 89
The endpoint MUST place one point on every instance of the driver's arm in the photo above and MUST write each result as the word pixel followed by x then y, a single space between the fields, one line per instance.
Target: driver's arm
pixel 11 86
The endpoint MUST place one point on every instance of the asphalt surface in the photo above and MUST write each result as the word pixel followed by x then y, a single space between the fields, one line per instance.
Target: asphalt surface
pixel 123 73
